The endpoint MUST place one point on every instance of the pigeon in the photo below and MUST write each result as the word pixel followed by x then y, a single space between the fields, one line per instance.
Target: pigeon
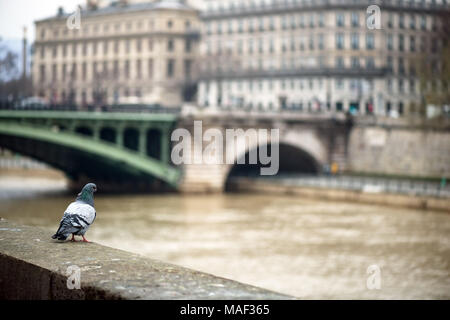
pixel 78 216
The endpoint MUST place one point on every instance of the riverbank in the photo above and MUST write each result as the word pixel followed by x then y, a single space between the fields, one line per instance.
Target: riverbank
pixel 376 198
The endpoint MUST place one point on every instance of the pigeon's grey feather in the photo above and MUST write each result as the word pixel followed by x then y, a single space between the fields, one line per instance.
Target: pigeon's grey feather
pixel 77 218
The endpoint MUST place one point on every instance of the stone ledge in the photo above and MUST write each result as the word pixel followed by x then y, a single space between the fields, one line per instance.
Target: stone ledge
pixel 395 200
pixel 33 266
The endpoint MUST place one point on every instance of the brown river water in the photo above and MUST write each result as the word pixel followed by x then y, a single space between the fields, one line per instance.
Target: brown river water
pixel 306 248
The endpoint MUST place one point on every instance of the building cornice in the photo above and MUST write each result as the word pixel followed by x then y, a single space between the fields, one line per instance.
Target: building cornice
pixel 305 6
pixel 185 35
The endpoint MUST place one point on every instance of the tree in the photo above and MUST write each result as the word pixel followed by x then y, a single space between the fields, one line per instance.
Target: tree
pixel 434 74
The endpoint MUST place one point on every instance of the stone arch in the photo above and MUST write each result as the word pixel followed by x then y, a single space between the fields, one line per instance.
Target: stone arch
pixel 292 159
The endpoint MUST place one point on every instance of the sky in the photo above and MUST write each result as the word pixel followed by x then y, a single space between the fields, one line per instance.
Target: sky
pixel 14 14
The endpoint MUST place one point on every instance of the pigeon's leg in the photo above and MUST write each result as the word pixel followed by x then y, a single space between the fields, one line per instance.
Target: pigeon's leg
pixel 73 238
pixel 84 239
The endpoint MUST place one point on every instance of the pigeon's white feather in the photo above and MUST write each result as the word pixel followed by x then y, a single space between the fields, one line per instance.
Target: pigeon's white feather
pixel 83 210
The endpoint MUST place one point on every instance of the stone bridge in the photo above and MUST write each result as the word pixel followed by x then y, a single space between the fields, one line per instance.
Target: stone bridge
pixel 133 150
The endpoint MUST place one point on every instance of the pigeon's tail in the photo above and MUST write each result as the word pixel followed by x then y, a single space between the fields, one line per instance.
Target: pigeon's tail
pixel 60 237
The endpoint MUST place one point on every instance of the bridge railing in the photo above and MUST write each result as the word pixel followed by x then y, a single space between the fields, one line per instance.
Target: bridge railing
pixel 89 108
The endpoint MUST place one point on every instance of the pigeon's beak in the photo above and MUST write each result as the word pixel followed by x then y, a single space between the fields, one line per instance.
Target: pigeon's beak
pixel 95 189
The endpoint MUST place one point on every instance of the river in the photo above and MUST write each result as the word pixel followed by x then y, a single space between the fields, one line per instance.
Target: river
pixel 306 248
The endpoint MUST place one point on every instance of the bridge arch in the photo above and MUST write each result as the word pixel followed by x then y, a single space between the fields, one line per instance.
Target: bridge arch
pixel 292 159
pixel 79 155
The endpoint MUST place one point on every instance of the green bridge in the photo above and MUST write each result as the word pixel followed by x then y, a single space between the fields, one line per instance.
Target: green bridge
pixel 114 148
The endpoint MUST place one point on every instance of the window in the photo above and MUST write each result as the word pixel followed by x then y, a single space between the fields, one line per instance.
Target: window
pixel 138 69
pixel 84 71
pixel 370 41
pixel 230 26
pixel 187 45
pixel 138 45
pixel 390 64
pixel 320 41
pixel 54 72
pixel 116 68
pixel 321 20
pixel 311 21
pixel 170 45
pixel 170 68
pixel 340 62
pixel 74 71
pixel 412 43
pixel 370 63
pixel 187 69
pixel 284 22
pixel 339 41
pixel 105 68
pixel 311 43
pixel 423 22
pixel 401 42
pixel 340 19
pixel 391 20
pixel 390 42
pixel 412 22
pixel 355 41
pixel 355 62
pixel 150 68
pixel 401 65
pixel 127 69
pixel 401 21
pixel 150 44
pixel 355 19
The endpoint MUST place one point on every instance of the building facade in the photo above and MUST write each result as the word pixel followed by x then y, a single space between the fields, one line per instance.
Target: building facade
pixel 124 52
pixel 317 54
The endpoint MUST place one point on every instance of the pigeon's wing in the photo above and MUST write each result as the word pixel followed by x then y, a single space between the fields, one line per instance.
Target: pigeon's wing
pixel 81 214
pixel 78 216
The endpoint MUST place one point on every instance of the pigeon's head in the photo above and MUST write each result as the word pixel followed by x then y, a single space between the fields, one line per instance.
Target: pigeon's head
pixel 90 187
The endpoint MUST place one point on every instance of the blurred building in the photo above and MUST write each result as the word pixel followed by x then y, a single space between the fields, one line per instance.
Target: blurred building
pixel 125 52
pixel 317 54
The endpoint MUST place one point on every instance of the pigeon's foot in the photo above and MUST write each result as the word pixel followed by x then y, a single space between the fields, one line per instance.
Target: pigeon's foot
pixel 73 239
pixel 84 240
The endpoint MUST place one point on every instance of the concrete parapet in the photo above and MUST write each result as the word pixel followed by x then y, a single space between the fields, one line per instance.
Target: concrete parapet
pixel 33 266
